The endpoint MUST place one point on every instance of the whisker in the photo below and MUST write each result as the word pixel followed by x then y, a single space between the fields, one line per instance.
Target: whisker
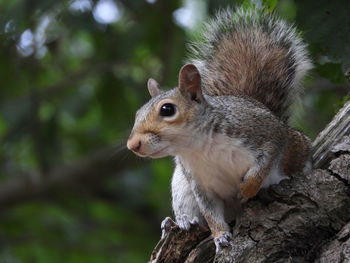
pixel 125 156
pixel 118 149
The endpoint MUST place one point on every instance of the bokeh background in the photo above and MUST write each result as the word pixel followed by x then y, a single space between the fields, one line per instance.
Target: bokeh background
pixel 72 75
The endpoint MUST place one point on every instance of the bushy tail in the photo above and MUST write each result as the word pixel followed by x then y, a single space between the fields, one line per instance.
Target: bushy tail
pixel 251 53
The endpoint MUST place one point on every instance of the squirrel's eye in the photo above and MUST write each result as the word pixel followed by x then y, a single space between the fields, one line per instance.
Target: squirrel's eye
pixel 167 110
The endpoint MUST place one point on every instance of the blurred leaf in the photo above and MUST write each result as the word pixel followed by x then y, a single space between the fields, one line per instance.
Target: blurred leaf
pixel 287 9
pixel 327 24
pixel 270 4
pixel 331 71
pixel 3 126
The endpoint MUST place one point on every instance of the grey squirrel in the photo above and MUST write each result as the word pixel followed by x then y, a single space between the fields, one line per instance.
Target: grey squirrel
pixel 226 122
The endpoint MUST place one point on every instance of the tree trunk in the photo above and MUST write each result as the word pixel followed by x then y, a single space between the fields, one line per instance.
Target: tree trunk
pixel 304 219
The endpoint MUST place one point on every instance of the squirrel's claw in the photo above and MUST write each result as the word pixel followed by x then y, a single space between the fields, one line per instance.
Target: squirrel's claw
pixel 166 225
pixel 185 222
pixel 223 241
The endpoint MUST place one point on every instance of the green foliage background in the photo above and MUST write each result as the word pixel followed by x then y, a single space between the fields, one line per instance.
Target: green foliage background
pixel 74 90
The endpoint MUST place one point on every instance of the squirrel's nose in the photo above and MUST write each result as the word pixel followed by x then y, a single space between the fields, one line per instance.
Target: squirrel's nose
pixel 134 145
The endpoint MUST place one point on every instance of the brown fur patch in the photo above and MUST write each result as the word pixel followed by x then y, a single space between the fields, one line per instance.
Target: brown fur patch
pixel 297 153
pixel 250 187
pixel 248 63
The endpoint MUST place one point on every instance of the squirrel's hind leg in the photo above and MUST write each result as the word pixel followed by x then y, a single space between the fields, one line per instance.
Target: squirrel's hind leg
pixel 297 157
pixel 267 171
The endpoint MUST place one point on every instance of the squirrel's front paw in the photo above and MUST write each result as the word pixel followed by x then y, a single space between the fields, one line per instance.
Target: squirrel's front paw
pixel 185 222
pixel 223 240
pixel 166 225
pixel 224 245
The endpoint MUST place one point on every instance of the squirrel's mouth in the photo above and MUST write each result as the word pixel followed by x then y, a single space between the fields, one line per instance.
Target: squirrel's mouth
pixel 158 154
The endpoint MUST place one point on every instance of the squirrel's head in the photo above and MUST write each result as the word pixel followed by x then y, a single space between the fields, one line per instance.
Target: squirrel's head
pixel 162 125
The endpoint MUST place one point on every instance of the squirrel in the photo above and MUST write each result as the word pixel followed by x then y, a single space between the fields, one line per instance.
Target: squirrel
pixel 226 122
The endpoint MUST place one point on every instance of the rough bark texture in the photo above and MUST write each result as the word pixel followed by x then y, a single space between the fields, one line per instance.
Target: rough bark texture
pixel 323 146
pixel 304 219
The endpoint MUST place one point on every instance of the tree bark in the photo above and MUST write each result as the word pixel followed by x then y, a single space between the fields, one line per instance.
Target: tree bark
pixel 304 219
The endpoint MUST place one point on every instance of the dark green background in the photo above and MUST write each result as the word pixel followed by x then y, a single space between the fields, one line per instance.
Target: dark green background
pixel 75 93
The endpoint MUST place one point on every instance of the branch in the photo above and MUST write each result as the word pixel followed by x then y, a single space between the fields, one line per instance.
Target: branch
pixel 338 249
pixel 98 165
pixel 331 135
pixel 290 222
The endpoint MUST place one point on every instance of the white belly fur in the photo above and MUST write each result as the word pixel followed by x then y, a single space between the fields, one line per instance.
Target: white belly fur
pixel 219 166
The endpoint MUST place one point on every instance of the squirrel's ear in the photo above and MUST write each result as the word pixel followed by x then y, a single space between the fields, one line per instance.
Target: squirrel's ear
pixel 153 87
pixel 190 82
